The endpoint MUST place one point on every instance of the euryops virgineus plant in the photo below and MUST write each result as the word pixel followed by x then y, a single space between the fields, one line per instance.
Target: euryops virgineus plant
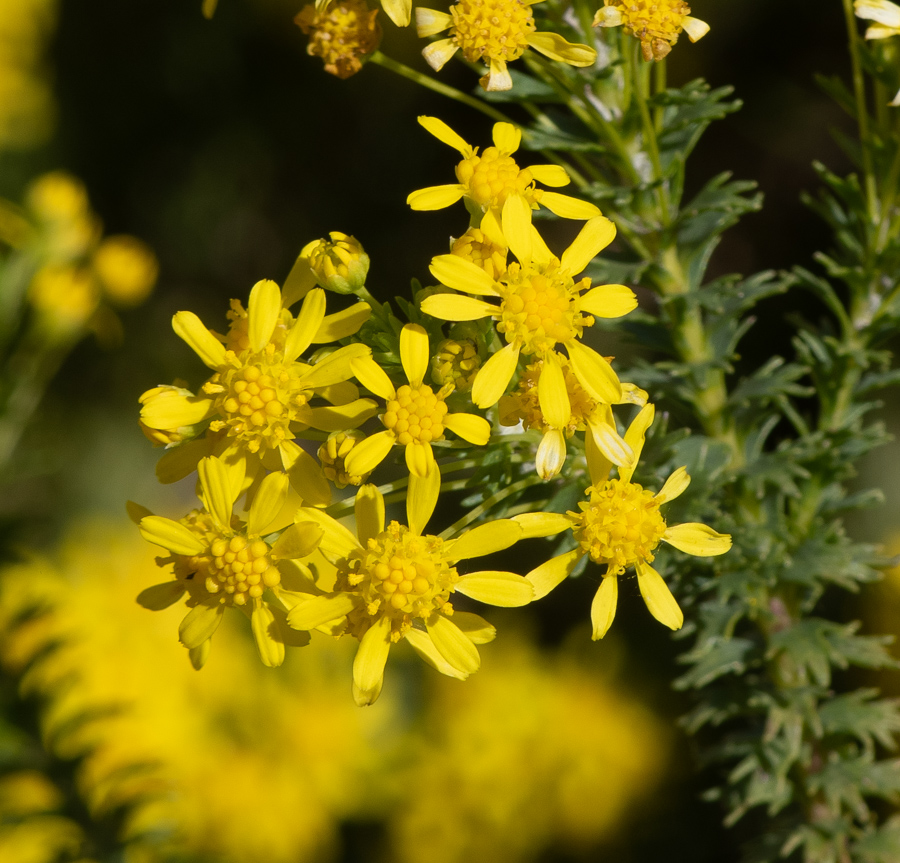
pixel 496 381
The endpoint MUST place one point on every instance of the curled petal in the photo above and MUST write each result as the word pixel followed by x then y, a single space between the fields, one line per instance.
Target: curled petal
pixel 498 78
pixel 608 16
pixel 369 510
pixel 423 645
pixel 697 539
pixel 200 624
pixel 307 325
pixel 695 28
pixel 635 436
pixel 551 454
pixel 263 311
pixel 553 395
pixel 216 488
pixel 553 45
pixel 371 657
pixel 436 55
pixel 369 453
pixel 419 459
pixel 267 503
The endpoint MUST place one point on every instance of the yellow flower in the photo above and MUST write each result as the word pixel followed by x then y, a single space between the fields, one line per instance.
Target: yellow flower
pixel 127 269
pixel 541 306
pixel 494 32
pixel 333 454
pixel 220 561
pixel 886 16
pixel 259 396
pixel 342 34
pixel 59 203
pixel 395 582
pixel 494 183
pixel 620 525
pixel 523 405
pixel 65 296
pixel 657 23
pixel 415 415
pixel 339 264
pixel 456 361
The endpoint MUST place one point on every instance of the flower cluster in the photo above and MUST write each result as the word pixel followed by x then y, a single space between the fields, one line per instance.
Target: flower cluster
pixel 497 341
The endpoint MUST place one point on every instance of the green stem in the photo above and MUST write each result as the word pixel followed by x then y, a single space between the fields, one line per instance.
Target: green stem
pixel 641 87
pixel 436 86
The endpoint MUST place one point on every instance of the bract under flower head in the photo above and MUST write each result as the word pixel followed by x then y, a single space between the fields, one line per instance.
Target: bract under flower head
pixel 541 306
pixel 342 34
pixel 620 525
pixel 657 23
pixel 395 582
pixel 494 183
pixel 220 561
pixel 494 32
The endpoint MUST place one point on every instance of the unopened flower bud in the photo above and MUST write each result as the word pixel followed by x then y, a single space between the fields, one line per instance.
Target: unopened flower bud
pixel 456 362
pixel 153 403
pixel 339 264
pixel 332 455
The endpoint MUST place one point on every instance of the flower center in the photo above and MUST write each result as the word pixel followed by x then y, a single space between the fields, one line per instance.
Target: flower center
pixel 619 525
pixel 474 246
pixel 495 29
pixel 492 177
pixel 400 575
pixel 235 566
pixel 540 309
pixel 416 415
pixel 258 400
pixel 523 404
pixel 653 19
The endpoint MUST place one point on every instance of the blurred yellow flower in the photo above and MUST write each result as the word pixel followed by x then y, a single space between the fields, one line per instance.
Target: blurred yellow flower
pixel 343 34
pixel 886 16
pixel 127 269
pixel 657 23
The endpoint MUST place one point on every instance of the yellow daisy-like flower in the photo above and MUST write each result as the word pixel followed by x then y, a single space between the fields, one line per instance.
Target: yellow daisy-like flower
pixel 494 32
pixel 620 525
pixel 523 405
pixel 260 393
pixel 399 11
pixel 493 183
pixel 657 23
pixel 342 34
pixel 415 415
pixel 886 16
pixel 395 582
pixel 220 561
pixel 541 306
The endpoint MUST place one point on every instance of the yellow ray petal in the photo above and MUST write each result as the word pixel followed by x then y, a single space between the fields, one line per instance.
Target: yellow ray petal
pixel 171 535
pixel 300 280
pixel 307 325
pixel 453 644
pixel 550 175
pixel 305 474
pixel 415 354
pixel 498 78
pixel 263 312
pixel 200 624
pixel 422 498
pixel 452 307
pixel 553 395
pixel 474 429
pixel 553 45
pixel 338 418
pixel 548 575
pixel 342 324
pixel 507 138
pixel 490 227
pixel 675 485
pixel 369 453
pixel 504 589
pixel 695 28
pixel 337 541
pixel 335 368
pixel 271 649
pixel 371 658
pixel 320 610
pixel 594 373
pixel 603 608
pixel 189 327
pixel 267 503
pixel 494 376
pixel 608 16
pixel 881 11
pixel 419 459
pixel 171 410
pixel 136 511
pixel 423 645
pixel 462 275
pixel 596 235
pixel 475 627
pixel 438 54
pixel 369 510
pixel 373 377
pixel 659 599
pixel 216 490
pixel 301 539
pixel 485 539
pixel 599 465
pixel 697 539
pixel 398 11
pixel 540 252
pixel 445 134
pixel 538 524
pixel 609 301
pixel 611 444
pixel 430 22
pixel 515 220
pixel 435 197
pixel 551 454
pixel 161 596
pixel 635 436
pixel 567 207
pixel 181 461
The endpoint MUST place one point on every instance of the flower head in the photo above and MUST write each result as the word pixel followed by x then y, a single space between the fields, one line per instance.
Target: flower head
pixel 540 308
pixel 126 268
pixel 886 16
pixel 339 264
pixel 657 23
pixel 494 183
pixel 456 362
pixel 221 561
pixel 620 526
pixel 415 415
pixel 494 32
pixel 586 413
pixel 342 34
pixel 396 582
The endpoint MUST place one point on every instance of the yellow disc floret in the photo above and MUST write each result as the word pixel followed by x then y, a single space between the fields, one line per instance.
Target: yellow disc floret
pixel 523 404
pixel 474 246
pixel 416 414
pixel 541 308
pixel 657 23
pixel 456 362
pixel 619 525
pixel 491 29
pixel 398 574
pixel 493 176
